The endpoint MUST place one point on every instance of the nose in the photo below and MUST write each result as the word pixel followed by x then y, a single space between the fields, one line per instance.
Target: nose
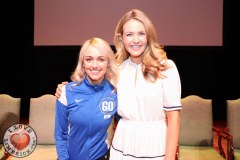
pixel 94 63
pixel 136 39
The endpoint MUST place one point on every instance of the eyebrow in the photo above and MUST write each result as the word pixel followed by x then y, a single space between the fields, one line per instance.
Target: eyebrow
pixel 98 56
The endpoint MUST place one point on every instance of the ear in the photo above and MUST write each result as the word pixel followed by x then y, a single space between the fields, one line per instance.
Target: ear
pixel 120 37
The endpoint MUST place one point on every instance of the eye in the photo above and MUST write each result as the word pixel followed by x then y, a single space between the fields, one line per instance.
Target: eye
pixel 128 34
pixel 88 59
pixel 142 33
pixel 102 59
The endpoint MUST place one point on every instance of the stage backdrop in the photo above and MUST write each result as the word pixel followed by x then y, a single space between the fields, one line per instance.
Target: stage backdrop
pixel 178 22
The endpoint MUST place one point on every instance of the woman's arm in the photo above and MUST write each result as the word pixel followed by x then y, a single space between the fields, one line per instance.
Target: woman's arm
pixel 61 131
pixel 173 123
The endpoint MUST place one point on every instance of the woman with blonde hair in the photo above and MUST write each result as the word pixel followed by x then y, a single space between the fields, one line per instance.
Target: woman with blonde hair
pixel 149 93
pixel 87 105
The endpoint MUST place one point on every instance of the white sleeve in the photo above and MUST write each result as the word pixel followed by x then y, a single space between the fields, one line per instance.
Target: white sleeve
pixel 63 98
pixel 172 88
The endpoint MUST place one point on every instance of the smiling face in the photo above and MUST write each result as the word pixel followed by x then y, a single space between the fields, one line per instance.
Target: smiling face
pixel 134 39
pixel 95 65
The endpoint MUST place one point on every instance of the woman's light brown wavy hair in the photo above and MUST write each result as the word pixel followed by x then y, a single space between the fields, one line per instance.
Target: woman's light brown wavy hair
pixel 154 58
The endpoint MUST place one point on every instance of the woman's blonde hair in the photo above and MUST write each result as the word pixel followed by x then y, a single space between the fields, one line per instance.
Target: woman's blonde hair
pixel 154 58
pixel 103 47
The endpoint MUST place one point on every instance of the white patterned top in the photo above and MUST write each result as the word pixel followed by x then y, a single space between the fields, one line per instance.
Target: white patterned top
pixel 142 104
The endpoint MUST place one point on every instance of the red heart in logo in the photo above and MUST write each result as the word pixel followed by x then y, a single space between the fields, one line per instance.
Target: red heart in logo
pixel 20 141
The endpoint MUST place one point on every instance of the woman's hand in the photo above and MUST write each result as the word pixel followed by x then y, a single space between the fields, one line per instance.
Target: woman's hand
pixel 59 89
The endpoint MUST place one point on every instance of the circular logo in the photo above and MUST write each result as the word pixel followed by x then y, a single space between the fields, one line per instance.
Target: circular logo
pixel 106 106
pixel 20 140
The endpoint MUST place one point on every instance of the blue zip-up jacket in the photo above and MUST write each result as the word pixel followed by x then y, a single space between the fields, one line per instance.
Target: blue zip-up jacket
pixel 83 115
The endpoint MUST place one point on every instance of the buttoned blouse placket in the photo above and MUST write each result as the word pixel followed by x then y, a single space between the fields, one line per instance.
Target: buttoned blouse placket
pixel 137 83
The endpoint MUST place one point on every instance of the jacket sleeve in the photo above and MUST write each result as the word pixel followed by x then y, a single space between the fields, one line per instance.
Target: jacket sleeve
pixel 61 131
pixel 117 117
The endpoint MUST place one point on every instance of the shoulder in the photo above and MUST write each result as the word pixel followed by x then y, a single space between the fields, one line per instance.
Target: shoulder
pixel 110 87
pixel 170 63
pixel 65 91
pixel 171 69
pixel 124 64
pixel 71 86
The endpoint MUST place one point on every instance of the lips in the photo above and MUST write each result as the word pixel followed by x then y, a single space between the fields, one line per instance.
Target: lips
pixel 95 72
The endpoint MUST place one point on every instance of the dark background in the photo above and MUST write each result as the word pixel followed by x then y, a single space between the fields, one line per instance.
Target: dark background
pixel 29 71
